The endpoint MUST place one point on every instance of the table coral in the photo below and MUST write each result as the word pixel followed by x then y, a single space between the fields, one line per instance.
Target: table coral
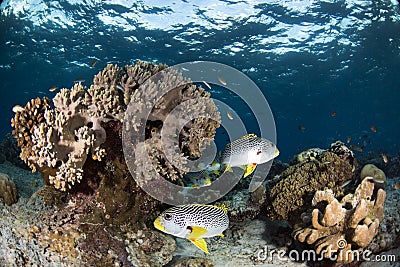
pixel 8 190
pixel 341 229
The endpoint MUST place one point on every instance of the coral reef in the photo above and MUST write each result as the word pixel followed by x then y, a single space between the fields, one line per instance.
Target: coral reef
pixel 243 205
pixel 75 142
pixel 297 185
pixel 345 153
pixel 307 155
pixel 338 228
pixel 388 163
pixel 388 236
pixel 8 190
pixel 58 141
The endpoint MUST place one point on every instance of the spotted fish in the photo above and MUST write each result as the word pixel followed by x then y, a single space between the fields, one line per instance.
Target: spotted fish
pixel 194 222
pixel 247 152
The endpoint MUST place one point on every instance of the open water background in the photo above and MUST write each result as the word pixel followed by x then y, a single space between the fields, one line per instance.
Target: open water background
pixel 310 58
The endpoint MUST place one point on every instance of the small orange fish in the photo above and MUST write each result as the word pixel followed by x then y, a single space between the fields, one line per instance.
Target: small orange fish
pixel 397 186
pixel 222 80
pixel 53 88
pixel 385 158
pixel 348 140
pixel 333 113
pixel 301 128
pixel 373 128
pixel 94 62
pixel 357 148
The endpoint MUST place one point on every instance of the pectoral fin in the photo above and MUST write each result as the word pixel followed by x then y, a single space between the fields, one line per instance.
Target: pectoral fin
pixel 196 232
pixel 249 169
pixel 200 243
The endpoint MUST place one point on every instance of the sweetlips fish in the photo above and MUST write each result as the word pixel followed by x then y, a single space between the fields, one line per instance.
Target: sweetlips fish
pixel 247 152
pixel 194 222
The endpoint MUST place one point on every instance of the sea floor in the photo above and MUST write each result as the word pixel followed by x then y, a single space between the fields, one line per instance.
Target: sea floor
pixel 258 242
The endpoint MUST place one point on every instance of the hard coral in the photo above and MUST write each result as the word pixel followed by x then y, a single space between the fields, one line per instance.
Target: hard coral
pixel 24 123
pixel 77 146
pixel 291 195
pixel 370 170
pixel 8 190
pixel 58 141
pixel 338 229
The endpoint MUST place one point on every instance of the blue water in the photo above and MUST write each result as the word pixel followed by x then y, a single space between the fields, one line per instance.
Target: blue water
pixel 309 57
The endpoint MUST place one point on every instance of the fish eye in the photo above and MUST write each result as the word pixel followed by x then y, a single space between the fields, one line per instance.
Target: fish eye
pixel 168 216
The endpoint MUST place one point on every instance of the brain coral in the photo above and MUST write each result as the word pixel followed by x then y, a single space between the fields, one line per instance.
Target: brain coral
pixel 57 141
pixel 292 194
pixel 370 170
pixel 338 229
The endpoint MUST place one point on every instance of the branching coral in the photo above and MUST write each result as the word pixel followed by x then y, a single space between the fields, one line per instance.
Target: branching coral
pixel 338 229
pixel 58 141
pixel 8 190
pixel 24 123
pixel 77 146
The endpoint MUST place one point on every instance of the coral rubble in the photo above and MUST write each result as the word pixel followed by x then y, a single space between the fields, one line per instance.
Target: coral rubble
pixel 338 228
pixel 8 190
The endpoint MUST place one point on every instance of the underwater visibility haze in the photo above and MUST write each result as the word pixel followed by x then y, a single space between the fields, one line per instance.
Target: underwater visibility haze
pixel 310 58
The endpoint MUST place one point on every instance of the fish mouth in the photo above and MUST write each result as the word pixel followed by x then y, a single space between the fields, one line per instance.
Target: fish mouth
pixel 158 225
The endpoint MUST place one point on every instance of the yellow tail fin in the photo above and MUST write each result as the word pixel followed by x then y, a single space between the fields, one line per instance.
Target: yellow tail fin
pixel 201 244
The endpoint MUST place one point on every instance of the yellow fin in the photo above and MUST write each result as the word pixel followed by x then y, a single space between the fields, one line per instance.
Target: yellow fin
pixel 249 169
pixel 216 172
pixel 200 243
pixel 251 135
pixel 228 169
pixel 196 232
pixel 207 181
pixel 221 235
